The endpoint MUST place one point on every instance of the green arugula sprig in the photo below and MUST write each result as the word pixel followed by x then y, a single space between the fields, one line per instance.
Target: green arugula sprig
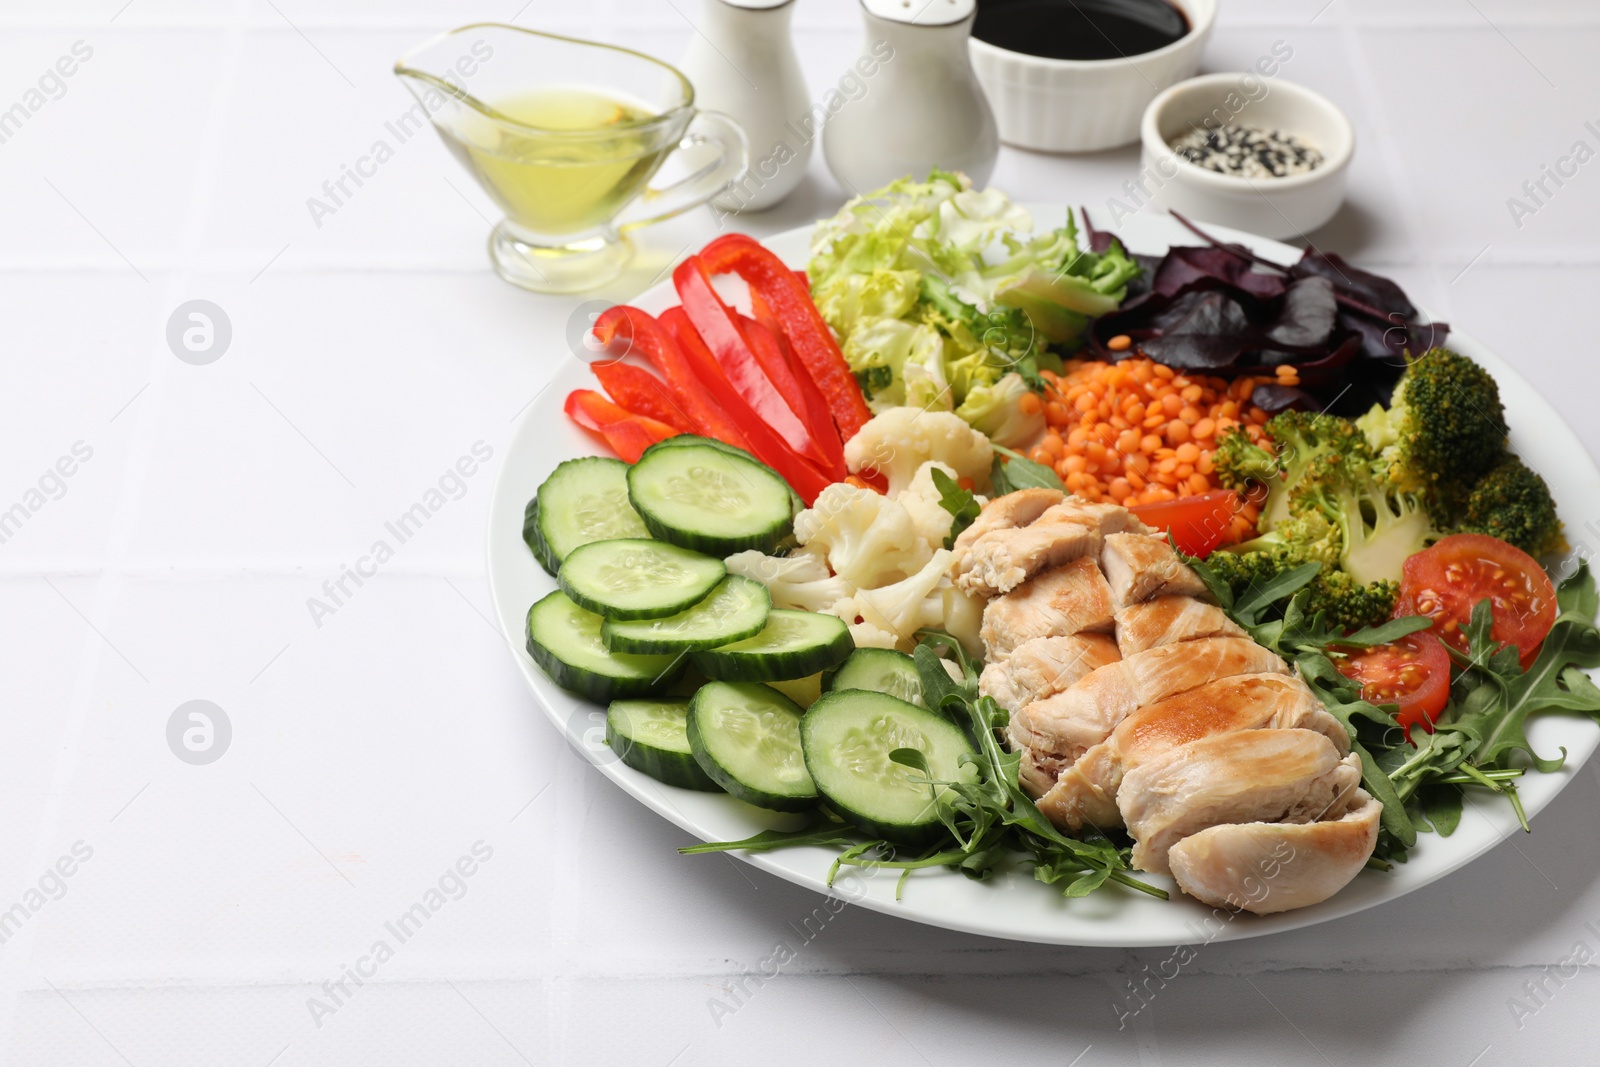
pixel 1478 740
pixel 962 505
pixel 1016 471
pixel 988 819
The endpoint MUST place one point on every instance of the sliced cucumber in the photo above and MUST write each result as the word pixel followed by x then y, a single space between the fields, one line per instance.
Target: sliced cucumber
pixel 878 670
pixel 653 736
pixel 565 640
pixel 636 578
pixel 735 609
pixel 848 736
pixel 793 644
pixel 796 505
pixel 535 543
pixel 583 500
pixel 803 691
pixel 713 500
pixel 746 736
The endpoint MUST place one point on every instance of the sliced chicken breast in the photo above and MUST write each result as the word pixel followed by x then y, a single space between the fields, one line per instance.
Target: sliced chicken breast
pixel 1044 666
pixel 1067 600
pixel 1004 513
pixel 1085 793
pixel 1269 867
pixel 1247 776
pixel 1166 620
pixel 1003 559
pixel 1141 566
pixel 1072 721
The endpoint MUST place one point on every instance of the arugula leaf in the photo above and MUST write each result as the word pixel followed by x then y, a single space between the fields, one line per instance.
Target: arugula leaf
pixel 819 832
pixel 960 503
pixel 1017 471
pixel 1503 695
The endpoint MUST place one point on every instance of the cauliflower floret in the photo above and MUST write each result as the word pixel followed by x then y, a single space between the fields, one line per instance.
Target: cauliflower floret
pixel 869 539
pixel 921 500
pixel 799 580
pixel 963 617
pixel 906 606
pixel 898 441
pixel 866 635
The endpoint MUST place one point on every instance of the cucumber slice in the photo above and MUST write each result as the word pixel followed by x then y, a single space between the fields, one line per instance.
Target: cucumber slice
pixel 878 670
pixel 796 505
pixel 713 500
pixel 583 500
pixel 653 736
pixel 735 609
pixel 565 640
pixel 848 736
pixel 803 691
pixel 793 644
pixel 746 736
pixel 535 543
pixel 634 578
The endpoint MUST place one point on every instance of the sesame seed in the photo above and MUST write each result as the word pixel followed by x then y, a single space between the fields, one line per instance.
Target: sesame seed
pixel 1247 151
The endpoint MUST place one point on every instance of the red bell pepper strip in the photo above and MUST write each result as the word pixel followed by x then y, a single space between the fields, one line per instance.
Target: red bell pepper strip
pixel 656 345
pixel 813 406
pixel 627 434
pixel 643 393
pixel 765 444
pixel 753 378
pixel 790 301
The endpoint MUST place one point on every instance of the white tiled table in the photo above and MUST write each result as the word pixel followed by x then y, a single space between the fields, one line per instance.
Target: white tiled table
pixel 371 752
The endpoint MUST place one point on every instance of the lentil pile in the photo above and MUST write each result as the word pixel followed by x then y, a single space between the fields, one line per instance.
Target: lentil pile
pixel 1137 432
pixel 1247 152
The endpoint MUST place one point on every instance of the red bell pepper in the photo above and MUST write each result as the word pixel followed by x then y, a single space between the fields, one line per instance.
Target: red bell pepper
pixel 656 345
pixel 790 301
pixel 813 406
pixel 627 434
pixel 768 395
pixel 643 393
pixel 765 444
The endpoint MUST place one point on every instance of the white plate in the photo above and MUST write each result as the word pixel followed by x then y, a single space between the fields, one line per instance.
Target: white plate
pixel 1014 905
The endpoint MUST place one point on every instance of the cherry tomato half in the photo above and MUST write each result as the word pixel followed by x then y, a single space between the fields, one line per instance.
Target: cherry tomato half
pixel 1198 524
pixel 1413 672
pixel 1447 581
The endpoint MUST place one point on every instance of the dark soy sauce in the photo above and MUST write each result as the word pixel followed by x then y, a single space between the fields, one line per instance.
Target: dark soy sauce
pixel 1079 29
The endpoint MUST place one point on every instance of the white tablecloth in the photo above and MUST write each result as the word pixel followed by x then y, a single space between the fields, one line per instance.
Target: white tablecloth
pixel 158 912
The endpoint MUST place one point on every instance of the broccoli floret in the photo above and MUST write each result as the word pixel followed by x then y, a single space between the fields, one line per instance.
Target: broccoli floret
pixel 1347 603
pixel 1513 503
pixel 1241 464
pixel 1444 429
pixel 1299 438
pixel 1379 525
pixel 1343 600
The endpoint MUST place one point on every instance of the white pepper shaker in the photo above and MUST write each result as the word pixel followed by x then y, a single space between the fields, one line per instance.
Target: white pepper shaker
pixel 922 109
pixel 742 63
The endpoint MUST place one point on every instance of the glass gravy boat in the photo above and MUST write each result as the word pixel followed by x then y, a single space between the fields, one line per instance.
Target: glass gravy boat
pixel 565 135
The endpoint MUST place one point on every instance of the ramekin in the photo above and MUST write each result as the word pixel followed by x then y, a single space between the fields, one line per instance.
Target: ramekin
pixel 1272 207
pixel 1072 105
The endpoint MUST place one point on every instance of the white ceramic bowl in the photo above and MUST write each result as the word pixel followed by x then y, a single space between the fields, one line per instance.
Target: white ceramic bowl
pixel 1070 105
pixel 1273 207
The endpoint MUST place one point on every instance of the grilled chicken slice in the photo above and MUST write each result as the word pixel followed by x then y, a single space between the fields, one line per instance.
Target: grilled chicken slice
pixel 1166 620
pixel 1044 666
pixel 1065 725
pixel 1086 792
pixel 1141 566
pixel 1067 600
pixel 1001 560
pixel 1003 513
pixel 1268 867
pixel 1247 776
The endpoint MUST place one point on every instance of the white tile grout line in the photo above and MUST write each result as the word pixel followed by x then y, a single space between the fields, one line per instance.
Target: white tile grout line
pixel 123 523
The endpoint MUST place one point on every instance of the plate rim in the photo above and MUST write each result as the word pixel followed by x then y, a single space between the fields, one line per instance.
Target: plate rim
pixel 507 498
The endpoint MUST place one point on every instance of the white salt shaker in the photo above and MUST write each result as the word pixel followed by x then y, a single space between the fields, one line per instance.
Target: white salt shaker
pixel 742 63
pixel 923 108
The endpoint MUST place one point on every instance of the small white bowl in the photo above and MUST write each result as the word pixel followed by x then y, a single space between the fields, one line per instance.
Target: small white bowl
pixel 1273 207
pixel 1074 105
